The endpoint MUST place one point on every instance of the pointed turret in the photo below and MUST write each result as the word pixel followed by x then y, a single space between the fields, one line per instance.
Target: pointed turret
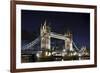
pixel 45 25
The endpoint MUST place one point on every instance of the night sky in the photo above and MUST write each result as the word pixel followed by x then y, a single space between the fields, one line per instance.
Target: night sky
pixel 60 22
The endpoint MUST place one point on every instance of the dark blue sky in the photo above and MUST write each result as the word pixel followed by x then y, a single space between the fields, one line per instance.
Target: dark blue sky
pixel 60 22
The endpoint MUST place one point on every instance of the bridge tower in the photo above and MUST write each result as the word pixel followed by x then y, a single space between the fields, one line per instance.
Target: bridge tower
pixel 45 36
pixel 68 41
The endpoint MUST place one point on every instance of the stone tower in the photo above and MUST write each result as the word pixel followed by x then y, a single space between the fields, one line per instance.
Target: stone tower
pixel 68 41
pixel 45 36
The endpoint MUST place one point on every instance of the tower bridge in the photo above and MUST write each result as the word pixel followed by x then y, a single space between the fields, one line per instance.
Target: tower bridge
pixel 46 35
pixel 45 41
